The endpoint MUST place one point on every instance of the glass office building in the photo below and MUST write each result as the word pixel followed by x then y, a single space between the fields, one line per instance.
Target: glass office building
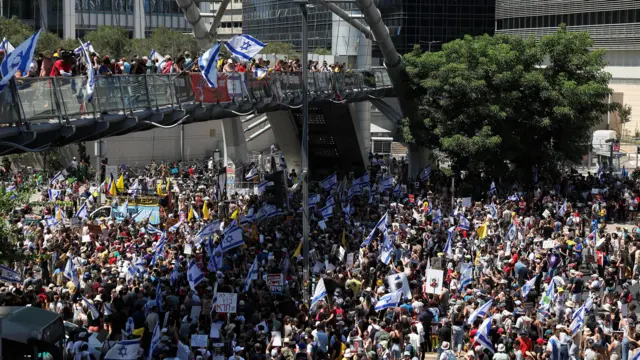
pixel 410 21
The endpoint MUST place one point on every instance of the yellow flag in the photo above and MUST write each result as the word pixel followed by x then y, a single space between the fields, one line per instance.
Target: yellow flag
pixel 235 214
pixel 190 216
pixel 159 188
pixel 344 239
pixel 205 211
pixel 482 231
pixel 298 250
pixel 120 183
pixel 112 189
pixel 477 262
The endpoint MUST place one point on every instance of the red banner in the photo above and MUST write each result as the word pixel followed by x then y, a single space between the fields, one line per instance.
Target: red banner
pixel 204 93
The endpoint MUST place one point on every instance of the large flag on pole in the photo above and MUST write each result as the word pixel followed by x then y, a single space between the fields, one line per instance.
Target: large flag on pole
pixel 19 58
pixel 208 63
pixel 481 312
pixel 91 75
pixel 6 46
pixel 319 293
pixel 244 46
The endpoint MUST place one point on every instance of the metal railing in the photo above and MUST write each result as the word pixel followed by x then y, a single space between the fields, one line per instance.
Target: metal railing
pixel 62 99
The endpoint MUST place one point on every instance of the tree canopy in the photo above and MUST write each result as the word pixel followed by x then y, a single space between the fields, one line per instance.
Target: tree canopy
pixel 503 105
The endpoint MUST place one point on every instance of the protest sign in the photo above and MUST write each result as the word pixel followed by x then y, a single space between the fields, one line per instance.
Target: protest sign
pixel 226 302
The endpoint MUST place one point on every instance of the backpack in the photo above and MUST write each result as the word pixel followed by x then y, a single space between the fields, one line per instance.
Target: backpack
pixel 384 336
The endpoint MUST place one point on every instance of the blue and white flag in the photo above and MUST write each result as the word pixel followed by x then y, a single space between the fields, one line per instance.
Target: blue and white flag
pixel 386 184
pixel 124 209
pixel 129 326
pixel 19 59
pixel 492 188
pixel 252 174
pixel 512 231
pixel 492 210
pixel 397 190
pixel 329 182
pixel 578 321
pixel 174 274
pixel 9 275
pixel 253 272
pixel 155 339
pixel 425 174
pixel 327 211
pixel 319 293
pixel 159 297
pixel 232 239
pixel 563 208
pixel 448 247
pixel 466 275
pixel 386 249
pixel 528 286
pixel 6 46
pixel 86 47
pixel 438 216
pixel 464 223
pixel 353 191
pixel 207 231
pixel 154 55
pixel 71 273
pixel 262 187
pixel 215 260
pixel 330 201
pixel 247 219
pixel 244 46
pixel 480 312
pixel 83 213
pixel 152 230
pixel 124 350
pixel 482 335
pixel 313 200
pixel 91 74
pixel 59 176
pixel 547 298
pixel 208 64
pixel 92 308
pixel 382 224
pixel 194 275
pixel 389 301
pixel 513 197
pixel 362 180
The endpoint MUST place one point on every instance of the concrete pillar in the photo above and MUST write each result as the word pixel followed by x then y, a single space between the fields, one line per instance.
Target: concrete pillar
pixel 138 19
pixel 235 145
pixel 44 14
pixel 287 137
pixel 362 119
pixel 69 19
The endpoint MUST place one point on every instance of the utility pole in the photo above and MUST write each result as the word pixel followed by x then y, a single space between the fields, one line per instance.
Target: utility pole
pixel 305 154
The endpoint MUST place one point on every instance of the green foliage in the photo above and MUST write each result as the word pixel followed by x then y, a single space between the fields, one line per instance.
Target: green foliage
pixel 492 109
pixel 279 48
pixel 68 44
pixel 140 47
pixel 15 30
pixel 170 42
pixel 109 40
pixel 624 113
pixel 49 41
pixel 9 233
pixel 321 51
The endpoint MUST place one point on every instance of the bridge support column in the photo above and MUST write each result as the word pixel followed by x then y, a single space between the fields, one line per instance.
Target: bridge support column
pixel 362 118
pixel 286 133
pixel 418 160
pixel 235 145
pixel 138 19
pixel 68 19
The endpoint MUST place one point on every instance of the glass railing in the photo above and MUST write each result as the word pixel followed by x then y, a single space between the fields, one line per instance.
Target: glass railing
pixel 63 99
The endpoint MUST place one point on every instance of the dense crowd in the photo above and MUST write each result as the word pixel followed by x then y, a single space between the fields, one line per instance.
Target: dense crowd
pixel 398 271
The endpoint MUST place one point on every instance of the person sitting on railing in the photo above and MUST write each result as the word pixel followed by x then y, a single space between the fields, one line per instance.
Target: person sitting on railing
pixel 46 63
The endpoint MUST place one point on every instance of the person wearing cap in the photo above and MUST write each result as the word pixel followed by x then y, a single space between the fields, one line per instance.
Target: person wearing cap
pixel 500 353
pixel 237 350
pixel 302 353
pixel 447 353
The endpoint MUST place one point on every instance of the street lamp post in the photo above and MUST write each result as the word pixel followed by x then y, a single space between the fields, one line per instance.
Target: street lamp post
pixel 305 153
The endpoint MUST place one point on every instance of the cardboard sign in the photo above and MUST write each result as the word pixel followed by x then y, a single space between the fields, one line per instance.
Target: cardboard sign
pixel 215 330
pixel 276 338
pixel 399 281
pixel 86 238
pixel 198 341
pixel 275 283
pixel 349 263
pixel 412 198
pixel 195 311
pixel 188 249
pixel 226 302
pixel 548 244
pixel 466 202
pixel 433 284
pixel 94 229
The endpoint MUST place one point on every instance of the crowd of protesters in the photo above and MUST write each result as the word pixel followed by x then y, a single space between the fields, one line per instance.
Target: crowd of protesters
pixel 524 273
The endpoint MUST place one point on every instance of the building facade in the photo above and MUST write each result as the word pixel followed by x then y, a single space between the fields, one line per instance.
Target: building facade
pixel 231 23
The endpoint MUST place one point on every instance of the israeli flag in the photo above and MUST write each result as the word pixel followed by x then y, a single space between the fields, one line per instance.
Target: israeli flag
pixel 353 191
pixel 389 301
pixel 463 223
pixel 253 272
pixel 329 182
pixel 481 312
pixel 319 293
pixel 545 301
pixel 252 174
pixel 86 47
pixel 438 216
pixel 512 231
pixel 448 248
pixel 175 227
pixel 154 55
pixel 260 73
pixel 57 177
pixel 7 274
pixel 194 275
pixel 513 197
pixel 327 212
pixel 124 209
pixel 83 213
pixel 6 46
pixel 207 231
pixel 425 174
pixel 466 275
pixel 330 201
pixel 262 187
pixel 19 58
pixel 208 63
pixel 492 188
pixel 70 271
pixel 382 223
pixel 159 297
pixel 492 210
pixel 247 219
pixel 215 260
pixel 129 326
pixel 362 180
pixel 91 75
pixel 386 184
pixel 10 188
pixel 152 230
pixel 313 200
pixel 528 286
pixel 124 350
pixel 232 239
pixel 563 208
pixel 386 249
pixel 94 312
pixel 174 274
pixel 368 239
pixel 482 335
pixel 244 46
pixel 397 190
pixel 578 321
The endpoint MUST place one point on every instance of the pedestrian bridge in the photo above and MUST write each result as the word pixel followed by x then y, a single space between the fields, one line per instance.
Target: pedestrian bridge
pixel 40 113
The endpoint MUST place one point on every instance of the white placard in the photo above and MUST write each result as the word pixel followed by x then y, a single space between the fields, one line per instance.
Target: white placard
pixel 276 339
pixel 261 238
pixel 349 263
pixel 195 312
pixel 226 302
pixel 341 253
pixel 198 341
pixel 466 202
pixel 433 283
pixel 399 281
pixel 546 214
pixel 322 224
pixel 215 330
pixel 317 267
pixel 548 244
pixel 188 249
pixel 86 238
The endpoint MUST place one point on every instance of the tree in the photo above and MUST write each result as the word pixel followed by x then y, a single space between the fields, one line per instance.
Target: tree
pixel 321 51
pixel 110 41
pixel 49 41
pixel 69 44
pixel 140 47
pixel 15 30
pixel 279 48
pixel 492 109
pixel 9 232
pixel 171 42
